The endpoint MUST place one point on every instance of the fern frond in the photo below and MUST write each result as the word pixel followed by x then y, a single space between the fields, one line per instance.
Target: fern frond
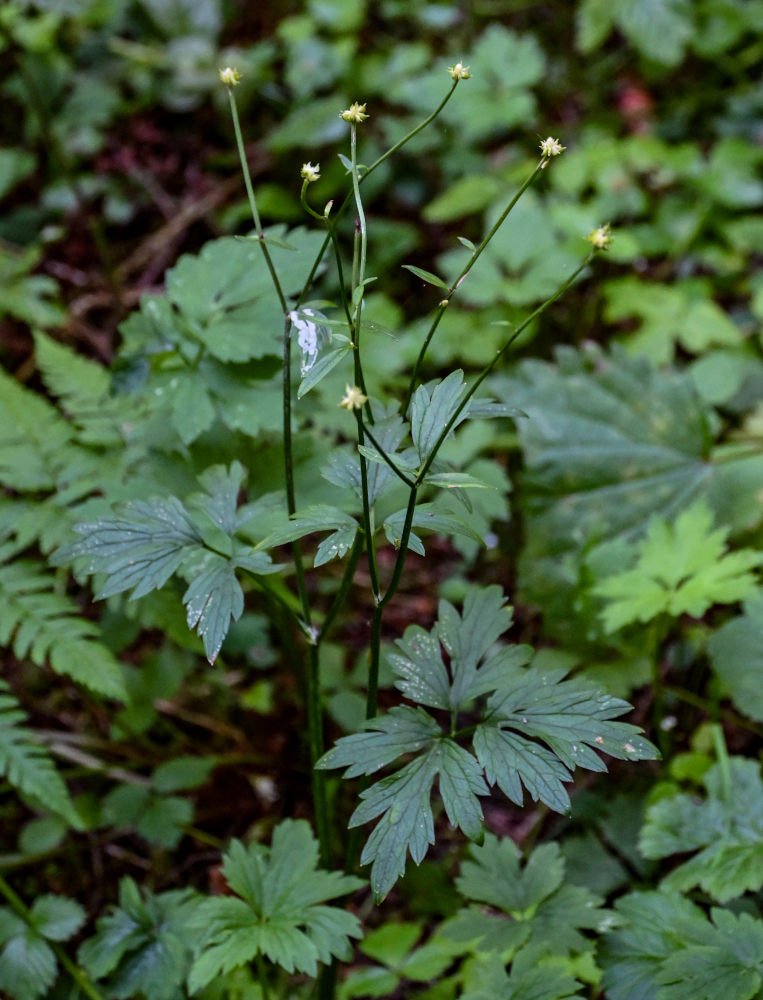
pixel 26 764
pixel 43 626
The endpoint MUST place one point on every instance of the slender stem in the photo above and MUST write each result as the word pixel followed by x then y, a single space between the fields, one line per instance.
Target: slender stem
pixel 385 457
pixel 315 736
pixel 253 201
pixel 367 525
pixel 376 622
pixel 288 452
pixel 491 365
pixel 361 273
pixel 377 163
pixel 262 976
pixel 344 587
pixel 77 973
pixel 457 283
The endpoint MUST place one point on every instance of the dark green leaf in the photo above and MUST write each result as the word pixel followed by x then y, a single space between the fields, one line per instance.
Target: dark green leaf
pixel 212 600
pixel 432 408
pixel 139 548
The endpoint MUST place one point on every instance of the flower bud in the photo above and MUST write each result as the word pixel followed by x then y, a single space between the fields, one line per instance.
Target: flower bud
pixel 356 113
pixel 551 147
pixel 459 72
pixel 310 172
pixel 230 76
pixel 600 238
pixel 353 398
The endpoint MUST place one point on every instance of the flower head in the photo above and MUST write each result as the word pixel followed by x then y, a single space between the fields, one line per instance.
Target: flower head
pixel 356 113
pixel 353 398
pixel 310 172
pixel 600 238
pixel 459 72
pixel 551 147
pixel 230 76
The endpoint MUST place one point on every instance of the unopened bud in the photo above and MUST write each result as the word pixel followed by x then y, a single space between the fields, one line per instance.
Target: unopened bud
pixel 230 76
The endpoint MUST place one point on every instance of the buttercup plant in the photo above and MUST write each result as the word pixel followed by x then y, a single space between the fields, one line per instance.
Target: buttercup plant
pixel 479 717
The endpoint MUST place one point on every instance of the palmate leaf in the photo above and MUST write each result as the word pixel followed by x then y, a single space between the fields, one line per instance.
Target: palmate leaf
pixel 139 548
pixel 147 541
pixel 142 947
pixel 278 911
pixel 728 963
pixel 487 979
pixel 536 728
pixel 681 569
pixel 667 949
pixel 736 655
pixel 726 829
pixel 537 909
pixel 609 444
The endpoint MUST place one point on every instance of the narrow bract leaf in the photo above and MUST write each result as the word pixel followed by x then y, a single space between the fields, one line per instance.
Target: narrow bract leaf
pixel 321 368
pixel 427 276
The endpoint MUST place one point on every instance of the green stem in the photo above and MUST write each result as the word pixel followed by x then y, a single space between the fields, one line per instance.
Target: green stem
pixel 376 622
pixel 400 474
pixel 457 283
pixel 377 163
pixel 253 201
pixel 288 455
pixel 367 518
pixel 315 736
pixel 77 973
pixel 491 365
pixel 344 587
pixel 262 976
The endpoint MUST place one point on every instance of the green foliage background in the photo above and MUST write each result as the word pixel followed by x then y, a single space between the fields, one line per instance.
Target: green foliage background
pixel 620 506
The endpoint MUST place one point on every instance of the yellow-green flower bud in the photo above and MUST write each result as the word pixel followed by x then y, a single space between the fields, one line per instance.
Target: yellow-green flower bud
pixel 551 147
pixel 353 398
pixel 600 238
pixel 311 172
pixel 459 72
pixel 230 76
pixel 356 113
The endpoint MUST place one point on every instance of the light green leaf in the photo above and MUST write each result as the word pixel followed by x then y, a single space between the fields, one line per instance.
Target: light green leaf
pixel 736 655
pixel 27 765
pixel 728 963
pixel 142 946
pixel 427 276
pixel 326 363
pixel 27 966
pixel 681 569
pixel 659 29
pixel 56 918
pixel 726 828
pixel 281 912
